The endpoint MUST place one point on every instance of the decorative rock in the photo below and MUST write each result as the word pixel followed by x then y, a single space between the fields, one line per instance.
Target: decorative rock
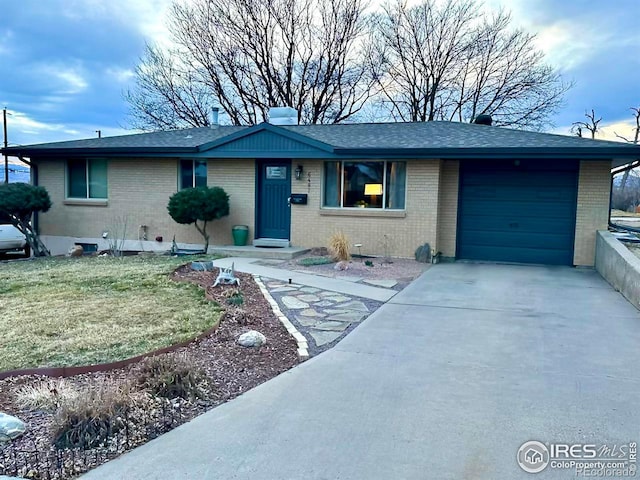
pixel 76 251
pixel 307 321
pixel 423 254
pixel 341 265
pixel 11 427
pixel 309 290
pixel 332 326
pixel 252 338
pixel 202 266
pixel 354 305
pixel 323 303
pixel 293 303
pixel 348 317
pixel 337 298
pixel 309 298
pixel 310 312
pixel 322 337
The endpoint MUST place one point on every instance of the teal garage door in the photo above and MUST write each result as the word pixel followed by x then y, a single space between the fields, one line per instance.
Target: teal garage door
pixel 517 211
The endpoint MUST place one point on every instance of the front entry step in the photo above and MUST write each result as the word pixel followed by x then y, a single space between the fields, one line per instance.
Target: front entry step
pixel 271 243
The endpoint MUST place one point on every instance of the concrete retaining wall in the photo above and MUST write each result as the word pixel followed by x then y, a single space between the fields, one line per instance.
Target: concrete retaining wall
pixel 618 266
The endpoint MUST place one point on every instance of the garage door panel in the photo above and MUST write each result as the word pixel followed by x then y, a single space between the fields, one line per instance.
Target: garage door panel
pixel 518 224
pixel 543 241
pixel 524 255
pixel 485 208
pixel 517 211
pixel 508 179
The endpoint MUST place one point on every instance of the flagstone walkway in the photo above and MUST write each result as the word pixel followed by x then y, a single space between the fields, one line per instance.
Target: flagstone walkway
pixel 322 316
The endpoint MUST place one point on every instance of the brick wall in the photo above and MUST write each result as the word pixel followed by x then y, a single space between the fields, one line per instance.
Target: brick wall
pixel 448 216
pixel 593 209
pixel 139 190
pixel 403 231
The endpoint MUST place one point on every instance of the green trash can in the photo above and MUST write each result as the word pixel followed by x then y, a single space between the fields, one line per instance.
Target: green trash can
pixel 240 234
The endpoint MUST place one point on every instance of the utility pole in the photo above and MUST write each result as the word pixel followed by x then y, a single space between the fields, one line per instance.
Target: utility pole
pixel 99 132
pixel 6 144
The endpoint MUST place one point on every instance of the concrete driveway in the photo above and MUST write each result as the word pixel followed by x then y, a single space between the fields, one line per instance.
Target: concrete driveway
pixel 445 381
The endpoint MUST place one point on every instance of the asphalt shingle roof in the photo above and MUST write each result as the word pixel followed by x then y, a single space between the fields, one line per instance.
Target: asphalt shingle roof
pixel 437 134
pixel 426 136
pixel 183 138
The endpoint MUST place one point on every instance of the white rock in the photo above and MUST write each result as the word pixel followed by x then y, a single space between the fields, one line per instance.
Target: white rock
pixel 252 338
pixel 10 427
pixel 341 265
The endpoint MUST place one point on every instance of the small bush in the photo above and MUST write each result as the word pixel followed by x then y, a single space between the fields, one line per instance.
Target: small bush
pixel 368 263
pixel 309 261
pixel 48 395
pixel 92 417
pixel 171 376
pixel 234 297
pixel 339 247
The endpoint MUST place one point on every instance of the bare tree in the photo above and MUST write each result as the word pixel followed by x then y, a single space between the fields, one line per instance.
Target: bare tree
pixel 636 137
pixel 447 61
pixel 248 55
pixel 636 129
pixel 592 125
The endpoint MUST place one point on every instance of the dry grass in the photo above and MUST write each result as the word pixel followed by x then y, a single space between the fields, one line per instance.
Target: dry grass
pixel 47 395
pixel 56 312
pixel 339 247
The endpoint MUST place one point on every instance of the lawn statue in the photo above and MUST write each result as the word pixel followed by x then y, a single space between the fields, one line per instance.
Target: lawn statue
pixel 227 277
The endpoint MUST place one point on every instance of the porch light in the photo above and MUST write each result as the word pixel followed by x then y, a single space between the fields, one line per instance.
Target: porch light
pixel 298 172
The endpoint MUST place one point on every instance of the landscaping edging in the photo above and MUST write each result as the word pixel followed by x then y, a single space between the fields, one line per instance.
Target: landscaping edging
pixel 303 347
pixel 105 367
pixel 618 266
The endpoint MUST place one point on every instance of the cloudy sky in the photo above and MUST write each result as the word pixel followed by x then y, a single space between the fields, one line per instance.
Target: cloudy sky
pixel 64 64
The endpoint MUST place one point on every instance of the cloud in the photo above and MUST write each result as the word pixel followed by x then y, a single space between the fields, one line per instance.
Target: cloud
pixel 121 75
pixel 607 130
pixel 623 128
pixel 568 44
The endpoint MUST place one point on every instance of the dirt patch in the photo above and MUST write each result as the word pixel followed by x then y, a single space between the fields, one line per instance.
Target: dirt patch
pixel 403 270
pixel 232 370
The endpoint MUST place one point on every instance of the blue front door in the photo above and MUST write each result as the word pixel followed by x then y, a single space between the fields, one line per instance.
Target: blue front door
pixel 273 213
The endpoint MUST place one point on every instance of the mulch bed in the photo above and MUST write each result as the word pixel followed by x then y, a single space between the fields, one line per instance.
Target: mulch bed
pixel 232 370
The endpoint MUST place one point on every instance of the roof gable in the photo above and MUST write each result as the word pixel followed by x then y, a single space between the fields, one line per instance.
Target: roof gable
pixel 265 140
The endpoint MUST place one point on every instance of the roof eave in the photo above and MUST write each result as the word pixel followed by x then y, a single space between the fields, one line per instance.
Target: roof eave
pixel 584 153
pixel 97 152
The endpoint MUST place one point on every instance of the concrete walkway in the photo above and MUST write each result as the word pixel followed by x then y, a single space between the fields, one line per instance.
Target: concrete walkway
pixel 446 381
pixel 247 265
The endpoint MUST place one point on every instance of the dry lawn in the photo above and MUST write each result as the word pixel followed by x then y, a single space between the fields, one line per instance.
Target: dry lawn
pixel 68 311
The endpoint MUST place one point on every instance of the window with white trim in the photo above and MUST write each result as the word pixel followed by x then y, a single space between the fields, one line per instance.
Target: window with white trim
pixel 193 173
pixel 87 178
pixel 355 184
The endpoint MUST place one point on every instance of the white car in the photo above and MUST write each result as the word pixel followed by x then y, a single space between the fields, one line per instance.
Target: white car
pixel 11 240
